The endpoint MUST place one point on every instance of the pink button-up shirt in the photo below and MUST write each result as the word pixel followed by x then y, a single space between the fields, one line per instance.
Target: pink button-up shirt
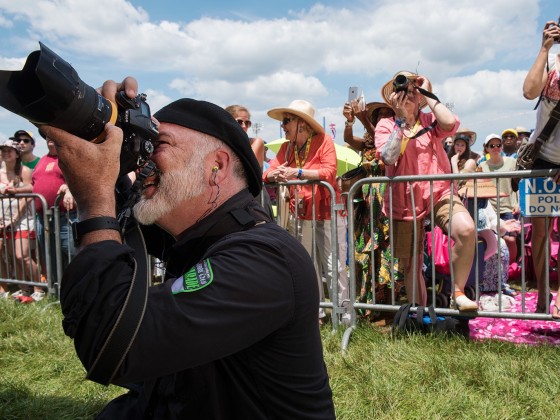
pixel 423 155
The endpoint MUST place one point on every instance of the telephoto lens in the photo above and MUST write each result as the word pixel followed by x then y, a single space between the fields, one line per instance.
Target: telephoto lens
pixel 49 91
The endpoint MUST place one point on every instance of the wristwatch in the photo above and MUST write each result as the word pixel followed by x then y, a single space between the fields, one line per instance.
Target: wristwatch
pixel 349 123
pixel 79 229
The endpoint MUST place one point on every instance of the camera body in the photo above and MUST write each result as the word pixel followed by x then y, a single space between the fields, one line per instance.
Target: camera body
pixel 400 84
pixel 49 91
pixel 139 131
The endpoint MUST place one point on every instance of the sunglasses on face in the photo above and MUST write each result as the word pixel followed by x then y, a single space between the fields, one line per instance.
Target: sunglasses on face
pixel 23 140
pixel 287 120
pixel 494 146
pixel 246 123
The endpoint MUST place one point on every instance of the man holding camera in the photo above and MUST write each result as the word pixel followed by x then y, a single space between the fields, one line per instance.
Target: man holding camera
pixel 233 331
pixel 412 144
pixel 542 79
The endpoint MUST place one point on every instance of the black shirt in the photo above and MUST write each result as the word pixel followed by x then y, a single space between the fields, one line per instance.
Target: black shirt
pixel 232 333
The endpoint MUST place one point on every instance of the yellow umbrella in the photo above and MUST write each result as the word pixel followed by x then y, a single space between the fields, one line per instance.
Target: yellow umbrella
pixel 346 158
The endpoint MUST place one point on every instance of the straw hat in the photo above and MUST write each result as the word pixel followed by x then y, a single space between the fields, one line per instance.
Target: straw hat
pixel 300 108
pixel 485 188
pixel 465 134
pixel 522 130
pixel 387 88
pixel 374 107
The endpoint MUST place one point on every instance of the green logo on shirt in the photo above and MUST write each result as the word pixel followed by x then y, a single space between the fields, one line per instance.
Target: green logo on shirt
pixel 195 279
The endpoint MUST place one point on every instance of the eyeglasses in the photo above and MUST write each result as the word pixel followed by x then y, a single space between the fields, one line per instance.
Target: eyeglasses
pixel 287 120
pixel 243 122
pixel 494 146
pixel 23 140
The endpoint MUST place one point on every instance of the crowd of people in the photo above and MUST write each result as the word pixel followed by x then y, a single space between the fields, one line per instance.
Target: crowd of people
pixel 401 138
pixel 237 315
pixel 409 133
pixel 23 248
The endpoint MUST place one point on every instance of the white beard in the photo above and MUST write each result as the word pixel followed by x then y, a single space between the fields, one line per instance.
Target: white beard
pixel 174 189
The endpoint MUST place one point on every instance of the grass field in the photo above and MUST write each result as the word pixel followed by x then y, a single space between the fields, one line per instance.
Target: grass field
pixel 414 377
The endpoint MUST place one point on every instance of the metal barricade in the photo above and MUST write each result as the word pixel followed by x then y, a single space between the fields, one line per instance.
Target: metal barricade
pixel 21 247
pixel 393 307
pixel 333 304
pixel 65 248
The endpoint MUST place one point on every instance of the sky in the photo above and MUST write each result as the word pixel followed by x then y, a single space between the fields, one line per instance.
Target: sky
pixel 264 55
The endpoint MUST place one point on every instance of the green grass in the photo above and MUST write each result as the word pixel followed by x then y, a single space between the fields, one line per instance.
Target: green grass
pixel 418 377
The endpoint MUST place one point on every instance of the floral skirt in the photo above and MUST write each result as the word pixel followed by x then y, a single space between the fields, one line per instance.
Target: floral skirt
pixel 372 249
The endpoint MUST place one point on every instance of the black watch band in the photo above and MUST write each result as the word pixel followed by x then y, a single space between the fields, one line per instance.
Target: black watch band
pixel 79 229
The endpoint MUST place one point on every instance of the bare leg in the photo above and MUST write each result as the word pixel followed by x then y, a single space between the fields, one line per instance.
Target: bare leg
pixel 421 297
pixel 511 243
pixel 462 253
pixel 539 245
pixel 3 267
pixel 23 254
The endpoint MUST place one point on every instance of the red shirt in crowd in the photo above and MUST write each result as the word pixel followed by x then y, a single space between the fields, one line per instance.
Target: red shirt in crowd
pixel 47 179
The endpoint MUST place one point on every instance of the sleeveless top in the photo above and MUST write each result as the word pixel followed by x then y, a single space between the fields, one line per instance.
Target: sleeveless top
pixel 10 209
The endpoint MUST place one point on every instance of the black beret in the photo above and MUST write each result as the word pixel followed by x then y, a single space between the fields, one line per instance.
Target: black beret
pixel 215 121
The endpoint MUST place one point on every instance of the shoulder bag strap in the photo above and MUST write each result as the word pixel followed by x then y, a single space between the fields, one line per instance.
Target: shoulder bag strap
pixel 400 317
pixel 420 316
pixel 553 118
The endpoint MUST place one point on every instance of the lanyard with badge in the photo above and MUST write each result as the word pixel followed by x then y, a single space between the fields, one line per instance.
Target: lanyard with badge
pixel 299 164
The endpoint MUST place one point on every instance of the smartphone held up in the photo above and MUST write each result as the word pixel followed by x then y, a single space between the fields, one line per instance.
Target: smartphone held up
pixel 356 95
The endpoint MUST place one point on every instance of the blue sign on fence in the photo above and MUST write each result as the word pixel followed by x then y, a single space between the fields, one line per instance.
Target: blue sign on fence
pixel 539 197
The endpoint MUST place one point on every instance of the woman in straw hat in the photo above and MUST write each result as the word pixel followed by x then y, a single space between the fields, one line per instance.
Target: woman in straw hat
pixel 371 284
pixel 412 145
pixel 309 154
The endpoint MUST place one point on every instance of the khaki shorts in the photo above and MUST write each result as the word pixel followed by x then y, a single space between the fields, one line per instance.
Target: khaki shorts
pixel 403 231
pixel 403 238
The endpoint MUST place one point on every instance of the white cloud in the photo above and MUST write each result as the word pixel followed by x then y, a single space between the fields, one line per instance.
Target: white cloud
pixel 11 63
pixel 5 22
pixel 266 90
pixel 369 38
pixel 156 99
pixel 474 52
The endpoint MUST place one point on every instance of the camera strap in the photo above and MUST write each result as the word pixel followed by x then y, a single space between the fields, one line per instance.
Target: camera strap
pixel 427 93
pixel 424 130
pixel 128 322
pixel 126 327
